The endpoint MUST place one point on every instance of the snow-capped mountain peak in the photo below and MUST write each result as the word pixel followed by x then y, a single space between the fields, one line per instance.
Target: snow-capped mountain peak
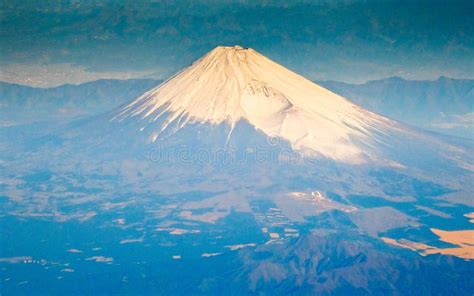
pixel 233 83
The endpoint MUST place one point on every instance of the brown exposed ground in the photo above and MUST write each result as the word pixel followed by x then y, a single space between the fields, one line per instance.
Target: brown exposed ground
pixel 462 239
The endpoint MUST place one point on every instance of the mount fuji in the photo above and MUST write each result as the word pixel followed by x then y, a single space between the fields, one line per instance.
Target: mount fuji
pixel 236 100
pixel 232 85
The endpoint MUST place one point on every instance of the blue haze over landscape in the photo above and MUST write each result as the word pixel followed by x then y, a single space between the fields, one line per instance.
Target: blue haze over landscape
pixel 172 147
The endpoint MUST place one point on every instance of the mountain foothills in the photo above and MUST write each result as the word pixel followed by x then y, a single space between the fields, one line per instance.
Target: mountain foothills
pixel 236 175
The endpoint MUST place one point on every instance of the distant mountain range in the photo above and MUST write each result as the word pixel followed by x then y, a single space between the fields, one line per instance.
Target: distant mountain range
pixel 444 105
pixel 23 104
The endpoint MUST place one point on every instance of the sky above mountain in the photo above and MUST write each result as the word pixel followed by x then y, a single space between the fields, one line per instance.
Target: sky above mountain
pixel 55 42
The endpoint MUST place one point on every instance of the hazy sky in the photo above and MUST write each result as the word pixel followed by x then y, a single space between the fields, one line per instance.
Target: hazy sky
pixel 53 42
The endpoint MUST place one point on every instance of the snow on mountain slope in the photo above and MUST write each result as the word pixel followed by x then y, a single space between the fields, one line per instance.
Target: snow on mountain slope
pixel 233 83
